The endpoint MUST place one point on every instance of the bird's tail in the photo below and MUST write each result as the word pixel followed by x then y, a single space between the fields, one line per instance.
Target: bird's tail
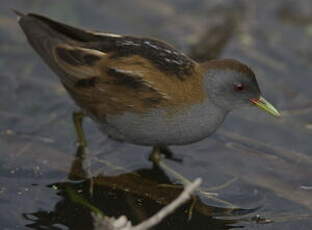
pixel 44 35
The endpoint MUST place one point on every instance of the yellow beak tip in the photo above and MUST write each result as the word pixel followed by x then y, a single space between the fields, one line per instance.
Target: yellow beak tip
pixel 263 104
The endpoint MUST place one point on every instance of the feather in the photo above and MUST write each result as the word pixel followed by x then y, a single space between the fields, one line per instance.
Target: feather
pixel 110 74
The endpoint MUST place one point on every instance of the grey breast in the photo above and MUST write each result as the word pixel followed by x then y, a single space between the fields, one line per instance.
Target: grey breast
pixel 157 127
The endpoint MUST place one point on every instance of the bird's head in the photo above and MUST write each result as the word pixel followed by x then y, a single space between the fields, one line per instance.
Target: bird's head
pixel 231 84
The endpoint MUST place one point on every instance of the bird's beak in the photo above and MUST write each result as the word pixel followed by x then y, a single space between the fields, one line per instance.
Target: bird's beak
pixel 265 105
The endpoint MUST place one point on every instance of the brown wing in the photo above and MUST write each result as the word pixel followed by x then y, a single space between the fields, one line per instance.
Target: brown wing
pixel 107 85
pixel 102 87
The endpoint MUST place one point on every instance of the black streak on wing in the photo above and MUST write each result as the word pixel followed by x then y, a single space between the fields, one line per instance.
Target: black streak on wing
pixel 135 83
pixel 163 56
pixel 76 57
pixel 87 83
pixel 124 79
pixel 91 59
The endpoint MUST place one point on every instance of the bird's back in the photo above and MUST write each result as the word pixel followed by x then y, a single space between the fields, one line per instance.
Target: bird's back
pixel 109 73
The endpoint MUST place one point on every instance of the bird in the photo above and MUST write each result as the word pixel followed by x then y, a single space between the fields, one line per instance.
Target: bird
pixel 141 90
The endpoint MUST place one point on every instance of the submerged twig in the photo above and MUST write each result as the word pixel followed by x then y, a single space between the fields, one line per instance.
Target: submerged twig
pixel 122 223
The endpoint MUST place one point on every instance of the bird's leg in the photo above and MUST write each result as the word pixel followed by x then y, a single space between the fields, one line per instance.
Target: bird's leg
pixel 167 152
pixel 77 171
pixel 78 118
pixel 155 155
pixel 82 144
pixel 163 150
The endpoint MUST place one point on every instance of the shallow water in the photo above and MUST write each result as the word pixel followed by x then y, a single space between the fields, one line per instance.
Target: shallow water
pixel 267 160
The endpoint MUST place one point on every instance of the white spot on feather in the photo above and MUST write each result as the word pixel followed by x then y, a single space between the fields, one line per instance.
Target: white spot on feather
pixel 105 34
pixel 129 72
pixel 129 43
pixel 90 51
pixel 152 45
pixel 168 51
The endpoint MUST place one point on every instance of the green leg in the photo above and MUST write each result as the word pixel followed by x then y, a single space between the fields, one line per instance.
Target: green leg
pixel 78 118
pixel 81 150
pixel 77 171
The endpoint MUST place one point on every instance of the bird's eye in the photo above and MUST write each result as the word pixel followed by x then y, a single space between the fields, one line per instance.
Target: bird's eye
pixel 239 87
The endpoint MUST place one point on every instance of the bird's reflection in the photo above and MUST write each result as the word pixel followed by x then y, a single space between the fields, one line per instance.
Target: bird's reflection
pixel 138 195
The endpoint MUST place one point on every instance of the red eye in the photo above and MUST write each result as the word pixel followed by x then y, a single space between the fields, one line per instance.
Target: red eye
pixel 239 87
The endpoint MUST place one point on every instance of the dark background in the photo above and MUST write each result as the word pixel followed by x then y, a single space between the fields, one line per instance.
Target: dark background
pixel 270 158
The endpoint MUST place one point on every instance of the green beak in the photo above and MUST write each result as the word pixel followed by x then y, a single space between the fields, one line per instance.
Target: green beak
pixel 265 105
